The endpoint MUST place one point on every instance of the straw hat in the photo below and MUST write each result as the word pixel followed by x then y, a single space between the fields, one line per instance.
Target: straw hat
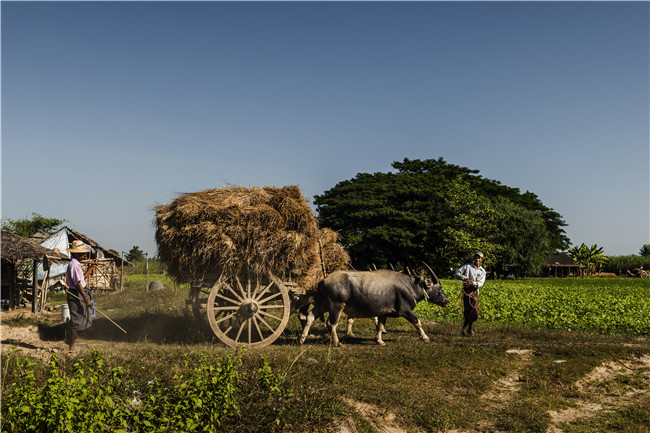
pixel 77 247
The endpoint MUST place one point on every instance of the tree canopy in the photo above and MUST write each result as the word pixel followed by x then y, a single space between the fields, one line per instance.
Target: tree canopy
pixel 645 250
pixel 135 254
pixel 440 213
pixel 26 227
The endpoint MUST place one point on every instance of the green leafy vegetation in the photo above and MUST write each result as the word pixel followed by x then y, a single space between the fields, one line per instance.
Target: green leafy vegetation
pixel 441 213
pixel 26 227
pixel 592 257
pixel 620 265
pixel 135 254
pixel 197 396
pixel 603 305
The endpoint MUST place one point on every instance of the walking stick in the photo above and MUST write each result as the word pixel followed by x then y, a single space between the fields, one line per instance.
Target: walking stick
pixel 98 310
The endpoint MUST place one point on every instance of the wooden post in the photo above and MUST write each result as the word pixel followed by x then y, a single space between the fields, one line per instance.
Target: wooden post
pixel 35 287
pixel 122 272
pixel 14 286
pixel 44 289
pixel 146 259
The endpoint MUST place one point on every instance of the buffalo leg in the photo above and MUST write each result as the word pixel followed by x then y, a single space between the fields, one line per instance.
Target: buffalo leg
pixel 333 321
pixel 380 330
pixel 411 317
pixel 303 312
pixel 350 322
pixel 309 319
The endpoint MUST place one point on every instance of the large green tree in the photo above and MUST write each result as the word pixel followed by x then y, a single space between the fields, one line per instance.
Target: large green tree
pixel 28 226
pixel 135 254
pixel 437 212
pixel 522 236
pixel 493 189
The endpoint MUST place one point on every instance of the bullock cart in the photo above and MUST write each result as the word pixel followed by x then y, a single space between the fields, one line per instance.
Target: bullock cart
pixel 251 255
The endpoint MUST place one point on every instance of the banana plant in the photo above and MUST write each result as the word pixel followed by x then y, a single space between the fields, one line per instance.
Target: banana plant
pixel 591 257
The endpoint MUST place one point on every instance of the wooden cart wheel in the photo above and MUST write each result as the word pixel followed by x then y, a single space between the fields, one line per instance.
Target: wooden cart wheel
pixel 249 313
pixel 198 299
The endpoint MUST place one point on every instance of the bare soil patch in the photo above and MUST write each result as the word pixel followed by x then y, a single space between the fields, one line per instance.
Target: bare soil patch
pixel 609 386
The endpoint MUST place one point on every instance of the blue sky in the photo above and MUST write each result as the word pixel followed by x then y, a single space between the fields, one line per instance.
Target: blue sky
pixel 109 108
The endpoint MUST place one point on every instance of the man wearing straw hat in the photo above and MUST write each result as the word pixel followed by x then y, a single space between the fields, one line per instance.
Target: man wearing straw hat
pixel 473 276
pixel 77 297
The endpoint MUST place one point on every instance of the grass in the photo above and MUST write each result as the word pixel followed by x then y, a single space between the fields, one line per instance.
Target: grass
pixel 452 383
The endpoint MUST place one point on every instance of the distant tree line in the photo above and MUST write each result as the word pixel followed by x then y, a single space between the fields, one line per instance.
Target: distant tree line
pixel 27 227
pixel 440 213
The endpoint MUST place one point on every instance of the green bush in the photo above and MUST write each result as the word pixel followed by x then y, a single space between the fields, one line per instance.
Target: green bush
pixel 89 399
pixel 621 264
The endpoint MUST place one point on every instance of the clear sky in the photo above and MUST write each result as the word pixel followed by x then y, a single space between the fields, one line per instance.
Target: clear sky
pixel 109 108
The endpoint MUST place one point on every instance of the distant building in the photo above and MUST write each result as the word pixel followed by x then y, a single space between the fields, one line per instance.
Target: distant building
pixel 104 265
pixel 561 265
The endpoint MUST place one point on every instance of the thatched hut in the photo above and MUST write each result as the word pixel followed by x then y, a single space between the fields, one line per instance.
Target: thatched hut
pixel 15 251
pixel 238 231
pixel 104 267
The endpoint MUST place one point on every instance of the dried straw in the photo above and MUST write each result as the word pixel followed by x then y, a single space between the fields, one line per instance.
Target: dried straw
pixel 240 230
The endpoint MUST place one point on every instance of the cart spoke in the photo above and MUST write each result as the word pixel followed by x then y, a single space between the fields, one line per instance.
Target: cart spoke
pixel 225 318
pixel 232 301
pixel 265 300
pixel 241 328
pixel 260 294
pixel 241 288
pixel 231 290
pixel 231 308
pixel 264 322
pixel 257 327
pixel 271 306
pixel 249 331
pixel 261 312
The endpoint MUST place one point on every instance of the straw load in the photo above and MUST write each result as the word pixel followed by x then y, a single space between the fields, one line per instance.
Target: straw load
pixel 237 230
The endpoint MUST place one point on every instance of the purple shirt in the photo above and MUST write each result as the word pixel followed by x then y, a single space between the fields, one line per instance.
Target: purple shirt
pixel 75 274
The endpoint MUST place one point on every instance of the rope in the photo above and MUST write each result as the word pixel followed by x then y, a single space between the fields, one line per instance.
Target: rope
pixel 473 302
pixel 473 299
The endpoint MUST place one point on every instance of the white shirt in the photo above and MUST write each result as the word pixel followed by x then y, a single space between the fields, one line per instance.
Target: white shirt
pixel 469 271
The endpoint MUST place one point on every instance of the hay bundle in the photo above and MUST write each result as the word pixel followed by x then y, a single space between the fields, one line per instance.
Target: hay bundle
pixel 239 230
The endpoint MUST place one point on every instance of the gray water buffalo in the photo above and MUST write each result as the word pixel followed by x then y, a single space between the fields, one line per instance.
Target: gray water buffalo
pixel 378 294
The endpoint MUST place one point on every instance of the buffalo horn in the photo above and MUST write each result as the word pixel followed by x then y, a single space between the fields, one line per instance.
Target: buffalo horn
pixel 435 278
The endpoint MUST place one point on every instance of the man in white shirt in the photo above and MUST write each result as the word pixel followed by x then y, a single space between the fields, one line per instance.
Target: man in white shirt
pixel 473 276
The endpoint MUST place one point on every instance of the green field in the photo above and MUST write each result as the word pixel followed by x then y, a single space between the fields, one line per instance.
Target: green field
pixel 527 366
pixel 602 305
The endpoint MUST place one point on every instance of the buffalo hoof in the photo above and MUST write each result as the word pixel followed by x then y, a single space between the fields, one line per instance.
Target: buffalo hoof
pixel 381 343
pixel 426 341
pixel 350 334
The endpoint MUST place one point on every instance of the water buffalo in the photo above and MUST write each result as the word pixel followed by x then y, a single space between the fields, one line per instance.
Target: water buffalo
pixel 368 294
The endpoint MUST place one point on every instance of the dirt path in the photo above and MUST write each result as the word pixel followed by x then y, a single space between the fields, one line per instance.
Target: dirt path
pixel 610 386
pixel 28 341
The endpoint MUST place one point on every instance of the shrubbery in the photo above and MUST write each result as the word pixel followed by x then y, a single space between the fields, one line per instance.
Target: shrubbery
pixel 621 264
pixel 91 399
